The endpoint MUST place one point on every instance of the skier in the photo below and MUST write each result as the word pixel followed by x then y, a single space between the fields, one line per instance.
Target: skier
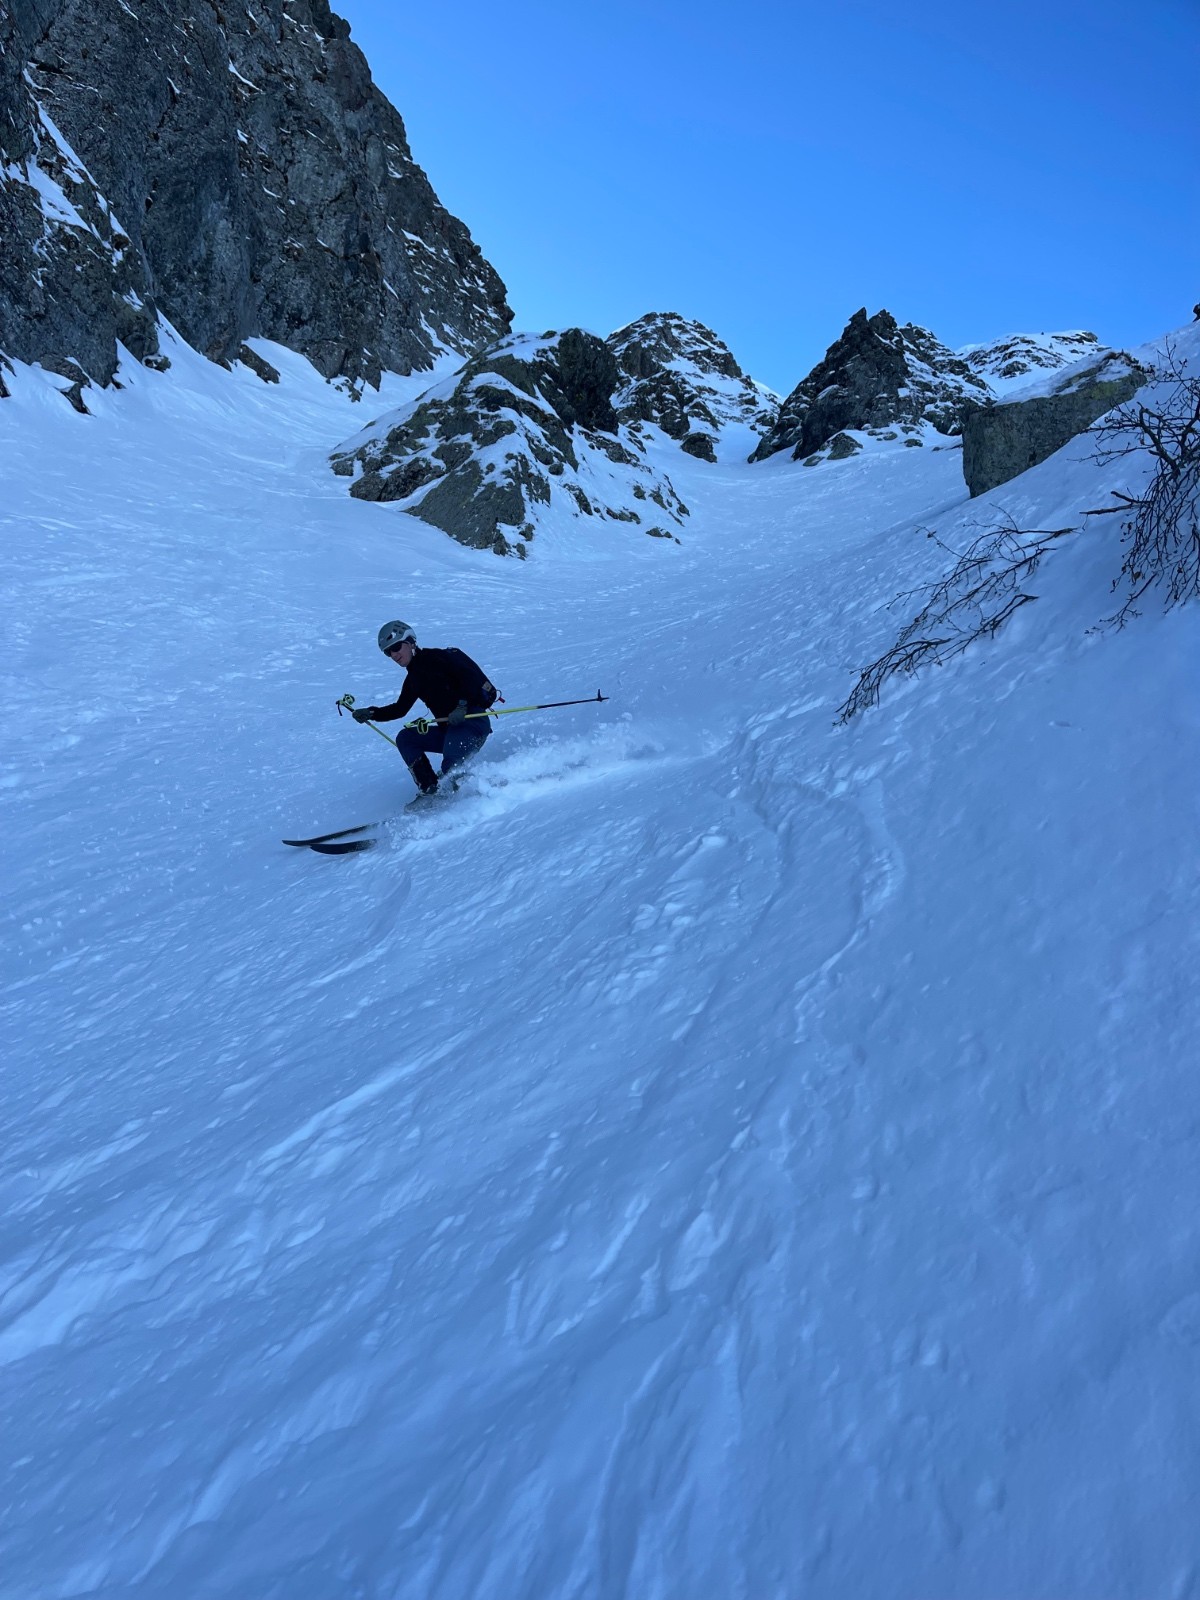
pixel 453 687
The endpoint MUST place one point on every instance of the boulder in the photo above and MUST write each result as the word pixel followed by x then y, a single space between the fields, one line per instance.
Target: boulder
pixel 261 369
pixel 1003 439
pixel 842 446
pixel 700 445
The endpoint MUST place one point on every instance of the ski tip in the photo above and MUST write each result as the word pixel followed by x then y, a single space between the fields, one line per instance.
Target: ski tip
pixel 343 847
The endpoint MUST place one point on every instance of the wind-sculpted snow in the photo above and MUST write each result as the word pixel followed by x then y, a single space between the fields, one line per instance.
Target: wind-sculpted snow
pixel 718 1154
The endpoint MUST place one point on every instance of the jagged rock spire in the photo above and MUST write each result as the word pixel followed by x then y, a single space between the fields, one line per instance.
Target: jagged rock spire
pixel 877 375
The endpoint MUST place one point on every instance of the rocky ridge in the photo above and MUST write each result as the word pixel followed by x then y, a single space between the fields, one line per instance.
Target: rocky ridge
pixel 524 434
pixel 679 376
pixel 537 428
pixel 233 169
pixel 1018 360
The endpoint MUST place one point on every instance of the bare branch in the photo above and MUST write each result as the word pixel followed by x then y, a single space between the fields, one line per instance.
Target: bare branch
pixel 1160 535
pixel 972 601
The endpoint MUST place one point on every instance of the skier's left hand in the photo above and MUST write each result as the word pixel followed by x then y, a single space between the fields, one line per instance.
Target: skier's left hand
pixel 459 714
pixel 365 713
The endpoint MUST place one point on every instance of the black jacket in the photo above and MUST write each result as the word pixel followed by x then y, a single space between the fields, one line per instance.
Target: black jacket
pixel 440 678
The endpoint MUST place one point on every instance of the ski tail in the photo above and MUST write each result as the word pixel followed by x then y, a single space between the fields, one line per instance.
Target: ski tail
pixel 342 847
pixel 338 833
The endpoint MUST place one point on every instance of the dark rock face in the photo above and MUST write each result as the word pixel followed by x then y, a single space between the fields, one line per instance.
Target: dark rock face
pixel 877 376
pixel 233 168
pixel 64 279
pixel 678 375
pixel 525 433
pixel 700 445
pixel 1000 441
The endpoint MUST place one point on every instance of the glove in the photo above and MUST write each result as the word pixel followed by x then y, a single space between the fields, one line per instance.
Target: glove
pixel 365 713
pixel 459 714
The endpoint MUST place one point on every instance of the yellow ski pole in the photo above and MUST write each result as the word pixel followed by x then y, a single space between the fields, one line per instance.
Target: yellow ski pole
pixel 423 724
pixel 347 701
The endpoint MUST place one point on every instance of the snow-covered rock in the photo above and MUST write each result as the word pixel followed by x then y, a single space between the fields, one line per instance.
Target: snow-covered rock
pixel 680 376
pixel 1019 359
pixel 527 428
pixel 880 379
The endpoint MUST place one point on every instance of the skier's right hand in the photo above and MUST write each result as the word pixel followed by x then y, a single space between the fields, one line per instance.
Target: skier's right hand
pixel 365 713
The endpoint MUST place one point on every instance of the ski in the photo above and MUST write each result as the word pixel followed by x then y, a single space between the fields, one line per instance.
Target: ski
pixel 338 833
pixel 342 841
pixel 342 847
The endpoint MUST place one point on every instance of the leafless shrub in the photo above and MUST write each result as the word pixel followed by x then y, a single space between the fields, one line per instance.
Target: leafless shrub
pixel 1161 536
pixel 972 601
pixel 1161 533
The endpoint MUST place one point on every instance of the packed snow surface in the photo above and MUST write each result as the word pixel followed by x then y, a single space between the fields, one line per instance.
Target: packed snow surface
pixel 720 1154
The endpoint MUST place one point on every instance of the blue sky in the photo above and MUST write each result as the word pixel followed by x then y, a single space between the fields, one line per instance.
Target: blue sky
pixel 769 169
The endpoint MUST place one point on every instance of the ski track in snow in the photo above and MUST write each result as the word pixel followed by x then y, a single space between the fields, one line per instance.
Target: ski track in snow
pixel 716 1155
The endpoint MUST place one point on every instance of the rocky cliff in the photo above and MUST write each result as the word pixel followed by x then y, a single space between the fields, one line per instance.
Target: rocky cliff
pixel 526 433
pixel 679 376
pixel 232 167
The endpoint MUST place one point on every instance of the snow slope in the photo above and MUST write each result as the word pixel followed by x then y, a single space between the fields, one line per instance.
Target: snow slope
pixel 720 1155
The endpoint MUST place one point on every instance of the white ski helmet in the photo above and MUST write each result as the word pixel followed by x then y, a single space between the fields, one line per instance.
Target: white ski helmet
pixel 394 634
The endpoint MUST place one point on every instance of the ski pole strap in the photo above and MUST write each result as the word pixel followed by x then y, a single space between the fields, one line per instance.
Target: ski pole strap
pixel 423 724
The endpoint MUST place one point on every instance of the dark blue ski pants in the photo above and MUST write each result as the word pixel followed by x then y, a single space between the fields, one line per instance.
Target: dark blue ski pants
pixel 454 745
